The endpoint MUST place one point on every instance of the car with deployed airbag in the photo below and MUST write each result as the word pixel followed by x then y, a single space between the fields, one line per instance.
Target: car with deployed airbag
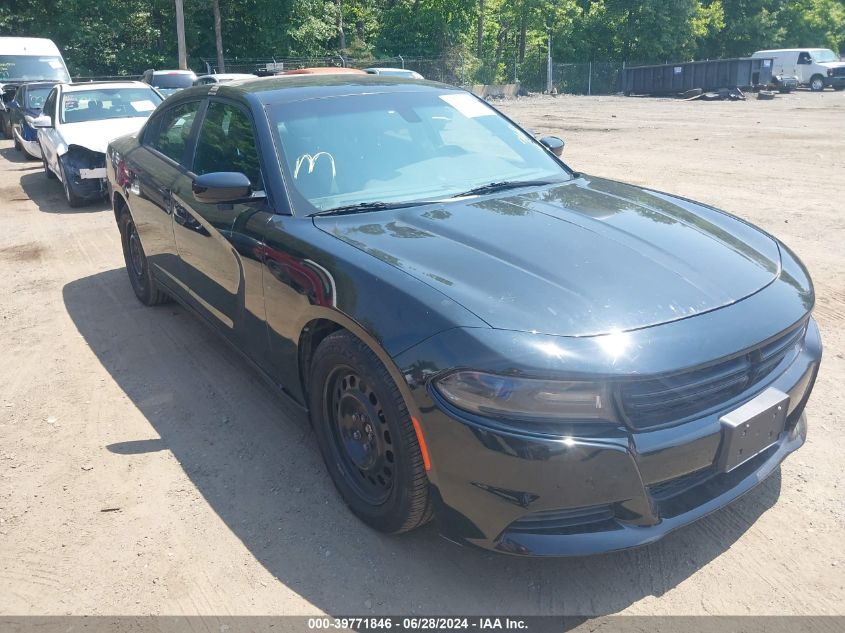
pixel 544 362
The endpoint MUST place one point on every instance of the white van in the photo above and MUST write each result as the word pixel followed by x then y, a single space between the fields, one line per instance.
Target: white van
pixel 813 67
pixel 25 59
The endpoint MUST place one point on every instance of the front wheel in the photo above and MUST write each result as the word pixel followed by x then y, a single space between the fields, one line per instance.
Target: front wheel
pixel 817 83
pixel 366 436
pixel 73 199
pixel 140 277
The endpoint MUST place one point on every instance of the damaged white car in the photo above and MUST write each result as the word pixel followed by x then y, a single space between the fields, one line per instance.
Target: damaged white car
pixel 77 123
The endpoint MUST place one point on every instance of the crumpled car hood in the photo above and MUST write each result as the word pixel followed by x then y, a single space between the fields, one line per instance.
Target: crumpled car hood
pixel 95 135
pixel 582 258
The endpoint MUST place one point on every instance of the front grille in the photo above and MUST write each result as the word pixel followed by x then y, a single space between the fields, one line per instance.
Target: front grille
pixel 839 71
pixel 679 485
pixel 673 398
pixel 570 521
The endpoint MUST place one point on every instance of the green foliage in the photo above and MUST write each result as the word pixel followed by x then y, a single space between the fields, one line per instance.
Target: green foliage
pixel 127 36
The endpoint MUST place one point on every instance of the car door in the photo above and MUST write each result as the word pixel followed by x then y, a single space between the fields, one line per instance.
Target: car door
pixel 220 245
pixel 47 135
pixel 152 169
pixel 804 67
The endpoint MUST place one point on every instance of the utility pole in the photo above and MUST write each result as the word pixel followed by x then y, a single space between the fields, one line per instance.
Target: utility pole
pixel 549 65
pixel 218 37
pixel 180 35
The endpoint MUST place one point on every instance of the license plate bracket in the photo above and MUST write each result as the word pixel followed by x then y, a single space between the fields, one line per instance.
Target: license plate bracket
pixel 752 428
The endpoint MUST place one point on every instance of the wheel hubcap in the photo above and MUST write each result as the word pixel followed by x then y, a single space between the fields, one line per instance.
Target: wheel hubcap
pixel 361 436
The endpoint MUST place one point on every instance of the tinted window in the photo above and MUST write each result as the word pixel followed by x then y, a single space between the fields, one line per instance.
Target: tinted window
pixel 50 105
pixel 171 130
pixel 34 97
pixel 176 80
pixel 227 143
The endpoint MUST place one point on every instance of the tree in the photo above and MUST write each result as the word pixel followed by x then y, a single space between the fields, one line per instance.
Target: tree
pixel 218 36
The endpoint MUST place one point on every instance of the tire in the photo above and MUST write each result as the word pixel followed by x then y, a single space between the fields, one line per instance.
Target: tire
pixel 384 485
pixel 816 83
pixel 47 171
pixel 140 277
pixel 71 196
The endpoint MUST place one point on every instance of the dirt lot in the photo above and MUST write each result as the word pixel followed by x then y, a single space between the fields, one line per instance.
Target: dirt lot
pixel 146 469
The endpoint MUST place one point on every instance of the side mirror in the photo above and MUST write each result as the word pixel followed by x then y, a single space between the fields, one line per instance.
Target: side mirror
pixel 553 144
pixel 42 121
pixel 221 186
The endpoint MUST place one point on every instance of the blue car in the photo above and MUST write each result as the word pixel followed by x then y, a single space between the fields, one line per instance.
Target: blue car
pixel 25 107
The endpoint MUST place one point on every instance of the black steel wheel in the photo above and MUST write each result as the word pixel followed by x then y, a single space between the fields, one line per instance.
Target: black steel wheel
pixel 140 277
pixel 366 436
pixel 360 435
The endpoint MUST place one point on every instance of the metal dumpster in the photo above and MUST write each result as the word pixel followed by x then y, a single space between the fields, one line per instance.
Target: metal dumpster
pixel 707 75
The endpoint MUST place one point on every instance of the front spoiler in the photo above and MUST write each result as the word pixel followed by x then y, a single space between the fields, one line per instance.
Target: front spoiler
pixel 627 536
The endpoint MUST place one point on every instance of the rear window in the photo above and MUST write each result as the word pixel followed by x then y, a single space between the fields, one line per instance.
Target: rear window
pixel 177 80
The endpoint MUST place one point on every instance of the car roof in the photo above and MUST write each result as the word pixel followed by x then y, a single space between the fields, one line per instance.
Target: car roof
pixel 792 50
pixel 28 46
pixel 38 84
pixel 92 85
pixel 175 71
pixel 289 88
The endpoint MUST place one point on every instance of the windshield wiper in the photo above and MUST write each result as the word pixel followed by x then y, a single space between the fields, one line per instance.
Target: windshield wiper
pixel 501 186
pixel 365 207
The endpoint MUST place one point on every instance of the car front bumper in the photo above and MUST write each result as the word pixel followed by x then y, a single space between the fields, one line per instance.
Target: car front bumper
pixel 835 82
pixel 539 495
pixel 30 147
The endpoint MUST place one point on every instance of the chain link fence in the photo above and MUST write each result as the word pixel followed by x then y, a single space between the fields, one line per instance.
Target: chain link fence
pixel 588 78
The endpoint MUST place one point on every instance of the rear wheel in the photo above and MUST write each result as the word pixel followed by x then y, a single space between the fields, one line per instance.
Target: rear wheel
pixel 817 83
pixel 366 436
pixel 143 283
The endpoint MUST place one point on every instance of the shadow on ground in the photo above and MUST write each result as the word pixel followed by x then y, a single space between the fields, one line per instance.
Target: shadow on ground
pixel 257 466
pixel 48 195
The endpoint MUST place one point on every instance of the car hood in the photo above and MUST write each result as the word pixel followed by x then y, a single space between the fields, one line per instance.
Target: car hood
pixel 582 258
pixel 95 135
pixel 832 64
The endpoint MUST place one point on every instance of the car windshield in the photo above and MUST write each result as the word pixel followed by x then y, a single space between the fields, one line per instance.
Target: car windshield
pixel 401 146
pixel 35 97
pixel 825 55
pixel 173 80
pixel 108 103
pixel 31 68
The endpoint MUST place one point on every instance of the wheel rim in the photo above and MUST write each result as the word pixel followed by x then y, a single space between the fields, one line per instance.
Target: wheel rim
pixel 360 435
pixel 817 84
pixel 136 253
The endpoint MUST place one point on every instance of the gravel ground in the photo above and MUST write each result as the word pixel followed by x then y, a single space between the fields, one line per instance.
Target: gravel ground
pixel 146 469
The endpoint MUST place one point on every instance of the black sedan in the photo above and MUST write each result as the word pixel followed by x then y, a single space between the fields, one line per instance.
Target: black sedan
pixel 545 362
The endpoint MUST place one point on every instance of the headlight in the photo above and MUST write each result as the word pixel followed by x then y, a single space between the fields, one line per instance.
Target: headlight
pixel 525 398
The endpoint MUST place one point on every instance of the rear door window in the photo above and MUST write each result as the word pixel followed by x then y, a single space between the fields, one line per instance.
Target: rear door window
pixel 170 131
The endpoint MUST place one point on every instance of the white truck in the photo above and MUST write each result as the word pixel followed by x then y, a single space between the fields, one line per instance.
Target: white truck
pixel 22 60
pixel 816 68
